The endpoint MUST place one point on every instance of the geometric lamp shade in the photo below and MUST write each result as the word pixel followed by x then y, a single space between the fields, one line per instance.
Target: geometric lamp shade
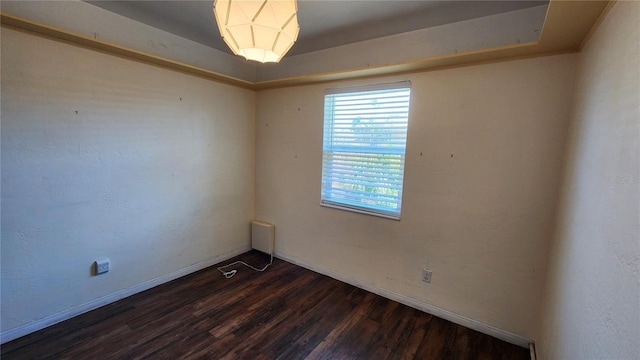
pixel 262 30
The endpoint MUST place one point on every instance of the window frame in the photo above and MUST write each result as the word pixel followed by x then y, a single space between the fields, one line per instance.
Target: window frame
pixel 328 141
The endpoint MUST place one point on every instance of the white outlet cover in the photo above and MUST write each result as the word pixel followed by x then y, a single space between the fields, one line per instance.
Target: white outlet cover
pixel 426 275
pixel 102 266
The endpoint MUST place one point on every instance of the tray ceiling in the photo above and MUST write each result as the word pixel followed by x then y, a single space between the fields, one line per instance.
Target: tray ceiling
pixel 323 24
pixel 338 39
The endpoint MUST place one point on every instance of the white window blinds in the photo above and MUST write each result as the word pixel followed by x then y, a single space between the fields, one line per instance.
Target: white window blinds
pixel 365 135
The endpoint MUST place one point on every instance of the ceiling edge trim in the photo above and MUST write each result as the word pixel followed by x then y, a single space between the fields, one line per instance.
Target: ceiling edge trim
pixel 363 74
pixel 425 64
pixel 596 25
pixel 50 32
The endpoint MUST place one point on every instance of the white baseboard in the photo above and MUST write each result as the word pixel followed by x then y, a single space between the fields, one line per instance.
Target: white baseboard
pixel 428 308
pixel 40 324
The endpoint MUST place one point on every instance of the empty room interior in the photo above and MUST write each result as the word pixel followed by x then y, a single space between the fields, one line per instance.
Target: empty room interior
pixel 406 179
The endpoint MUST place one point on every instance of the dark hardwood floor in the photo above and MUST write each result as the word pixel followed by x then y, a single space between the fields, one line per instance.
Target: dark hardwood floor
pixel 286 312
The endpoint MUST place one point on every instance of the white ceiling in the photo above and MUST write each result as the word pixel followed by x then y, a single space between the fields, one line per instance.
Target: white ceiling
pixel 323 23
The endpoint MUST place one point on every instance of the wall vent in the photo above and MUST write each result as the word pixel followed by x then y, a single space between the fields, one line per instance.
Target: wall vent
pixel 263 237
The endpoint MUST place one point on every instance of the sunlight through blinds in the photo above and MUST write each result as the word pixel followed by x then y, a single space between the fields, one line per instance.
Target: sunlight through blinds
pixel 365 136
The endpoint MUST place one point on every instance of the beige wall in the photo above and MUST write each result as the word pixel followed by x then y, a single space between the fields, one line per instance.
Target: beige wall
pixel 102 156
pixel 483 167
pixel 592 301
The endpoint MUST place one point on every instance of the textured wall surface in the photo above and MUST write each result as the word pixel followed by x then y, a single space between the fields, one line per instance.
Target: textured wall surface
pixel 483 167
pixel 102 156
pixel 592 302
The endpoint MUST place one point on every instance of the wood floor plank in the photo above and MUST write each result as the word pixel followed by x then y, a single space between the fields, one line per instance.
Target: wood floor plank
pixel 299 305
pixel 412 336
pixel 321 321
pixel 437 340
pixel 392 325
pixel 327 347
pixel 285 312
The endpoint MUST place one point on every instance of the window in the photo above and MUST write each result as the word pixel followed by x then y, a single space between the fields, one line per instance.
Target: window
pixel 365 136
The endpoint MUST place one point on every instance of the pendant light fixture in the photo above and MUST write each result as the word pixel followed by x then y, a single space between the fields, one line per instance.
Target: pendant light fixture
pixel 262 30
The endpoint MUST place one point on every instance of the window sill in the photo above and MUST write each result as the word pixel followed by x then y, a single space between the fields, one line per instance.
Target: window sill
pixel 358 210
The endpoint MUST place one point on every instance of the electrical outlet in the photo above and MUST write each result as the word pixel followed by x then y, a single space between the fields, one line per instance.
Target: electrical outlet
pixel 426 275
pixel 102 266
